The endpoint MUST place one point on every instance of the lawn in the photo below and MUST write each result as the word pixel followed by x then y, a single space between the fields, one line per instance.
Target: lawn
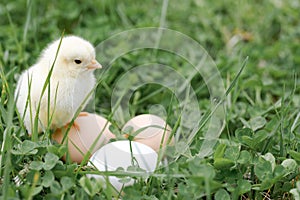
pixel 223 74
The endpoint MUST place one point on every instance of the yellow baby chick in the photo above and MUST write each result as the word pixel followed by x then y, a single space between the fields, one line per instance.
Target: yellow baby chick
pixel 71 81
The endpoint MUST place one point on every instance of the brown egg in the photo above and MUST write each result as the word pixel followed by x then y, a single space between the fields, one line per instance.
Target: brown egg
pixel 87 129
pixel 151 130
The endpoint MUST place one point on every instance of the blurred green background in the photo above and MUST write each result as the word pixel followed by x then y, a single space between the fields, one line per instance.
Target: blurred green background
pixel 266 31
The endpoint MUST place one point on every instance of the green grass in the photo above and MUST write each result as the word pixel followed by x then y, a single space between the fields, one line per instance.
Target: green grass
pixel 257 154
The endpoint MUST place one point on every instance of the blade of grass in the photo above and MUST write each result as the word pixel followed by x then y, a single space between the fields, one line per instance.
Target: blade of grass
pixel 47 82
pixel 7 139
pixel 6 155
pixel 28 19
pixel 14 35
pixel 162 22
pixel 208 115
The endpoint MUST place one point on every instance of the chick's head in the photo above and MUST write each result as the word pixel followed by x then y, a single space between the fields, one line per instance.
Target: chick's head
pixel 75 56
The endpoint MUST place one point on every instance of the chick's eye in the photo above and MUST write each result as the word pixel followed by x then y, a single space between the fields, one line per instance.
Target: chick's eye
pixel 77 61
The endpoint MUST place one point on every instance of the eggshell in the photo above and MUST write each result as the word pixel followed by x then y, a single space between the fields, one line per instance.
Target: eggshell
pixel 153 130
pixel 90 126
pixel 119 154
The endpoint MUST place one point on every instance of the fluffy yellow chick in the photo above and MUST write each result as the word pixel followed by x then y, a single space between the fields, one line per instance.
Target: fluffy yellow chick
pixel 71 81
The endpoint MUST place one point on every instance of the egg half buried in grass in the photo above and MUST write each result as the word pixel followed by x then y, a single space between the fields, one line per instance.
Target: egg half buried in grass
pixel 88 129
pixel 150 130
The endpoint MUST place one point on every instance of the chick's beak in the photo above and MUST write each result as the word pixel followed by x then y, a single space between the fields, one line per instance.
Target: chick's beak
pixel 94 65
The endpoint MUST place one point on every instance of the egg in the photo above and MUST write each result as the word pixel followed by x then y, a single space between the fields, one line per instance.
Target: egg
pixel 123 154
pixel 151 130
pixel 87 129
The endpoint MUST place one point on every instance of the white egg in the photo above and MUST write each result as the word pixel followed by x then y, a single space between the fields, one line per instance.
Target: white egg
pixel 119 154
pixel 89 128
pixel 151 130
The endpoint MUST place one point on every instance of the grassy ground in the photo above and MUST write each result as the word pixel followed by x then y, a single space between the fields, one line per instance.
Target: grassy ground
pixel 257 154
